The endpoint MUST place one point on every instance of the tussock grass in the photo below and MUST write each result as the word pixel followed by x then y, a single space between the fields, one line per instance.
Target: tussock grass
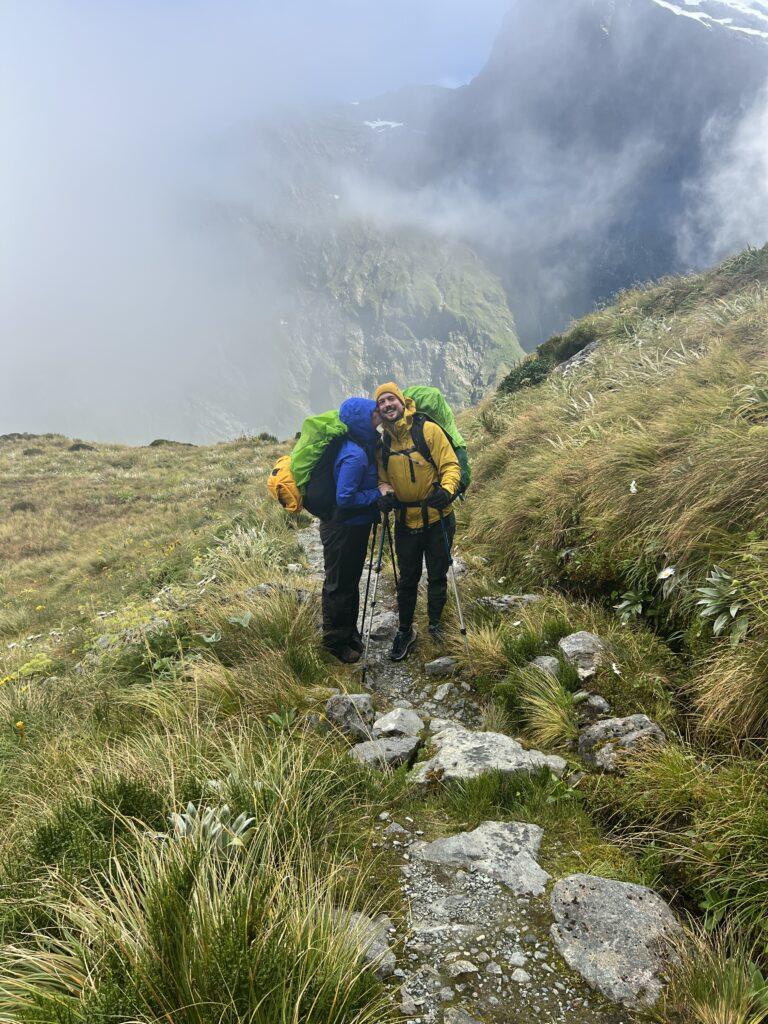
pixel 640 480
pixel 547 709
pixel 147 670
pixel 713 980
pixel 187 933
pixel 707 817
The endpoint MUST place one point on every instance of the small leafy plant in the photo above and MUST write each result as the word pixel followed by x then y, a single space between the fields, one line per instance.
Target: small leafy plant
pixel 212 826
pixel 723 601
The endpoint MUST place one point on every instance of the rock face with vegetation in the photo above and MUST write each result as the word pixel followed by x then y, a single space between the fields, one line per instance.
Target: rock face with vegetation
pixel 377 305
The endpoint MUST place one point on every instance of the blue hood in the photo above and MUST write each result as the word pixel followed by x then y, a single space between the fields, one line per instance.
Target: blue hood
pixel 356 414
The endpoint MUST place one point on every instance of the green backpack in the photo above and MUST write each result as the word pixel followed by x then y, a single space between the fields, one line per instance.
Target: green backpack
pixel 432 407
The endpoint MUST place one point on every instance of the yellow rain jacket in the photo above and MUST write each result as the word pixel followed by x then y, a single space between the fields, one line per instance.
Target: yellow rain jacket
pixel 412 477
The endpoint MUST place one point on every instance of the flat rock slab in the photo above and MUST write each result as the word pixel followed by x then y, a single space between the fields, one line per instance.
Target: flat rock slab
pixel 352 714
pixel 441 667
pixel 602 743
pixel 400 722
pixel 615 934
pixel 372 935
pixel 584 651
pixel 462 754
pixel 387 753
pixel 505 851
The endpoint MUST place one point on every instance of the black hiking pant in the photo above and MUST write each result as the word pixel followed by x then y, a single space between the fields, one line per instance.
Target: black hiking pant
pixel 414 547
pixel 344 551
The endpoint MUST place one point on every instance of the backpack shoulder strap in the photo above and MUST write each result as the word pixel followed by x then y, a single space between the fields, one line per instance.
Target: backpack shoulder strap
pixel 386 449
pixel 419 441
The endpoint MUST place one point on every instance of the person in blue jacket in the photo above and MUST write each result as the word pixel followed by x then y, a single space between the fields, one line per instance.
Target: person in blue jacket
pixel 345 536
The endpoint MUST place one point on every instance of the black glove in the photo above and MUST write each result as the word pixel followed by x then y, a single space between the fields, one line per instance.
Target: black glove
pixel 388 502
pixel 439 498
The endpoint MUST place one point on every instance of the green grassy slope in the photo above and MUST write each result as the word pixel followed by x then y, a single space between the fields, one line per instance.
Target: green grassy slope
pixel 144 667
pixel 634 492
pixel 157 650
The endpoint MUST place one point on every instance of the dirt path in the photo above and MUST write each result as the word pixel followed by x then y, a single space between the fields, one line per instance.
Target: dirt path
pixel 475 941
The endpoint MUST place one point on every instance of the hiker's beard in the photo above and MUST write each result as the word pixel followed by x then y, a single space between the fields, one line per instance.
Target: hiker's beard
pixel 393 414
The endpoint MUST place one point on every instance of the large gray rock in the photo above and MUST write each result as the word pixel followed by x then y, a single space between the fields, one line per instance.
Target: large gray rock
pixel 352 714
pixel 387 753
pixel 546 663
pixel 615 934
pixel 508 602
pixel 584 651
pixel 602 743
pixel 505 851
pixel 462 754
pixel 400 722
pixel 372 937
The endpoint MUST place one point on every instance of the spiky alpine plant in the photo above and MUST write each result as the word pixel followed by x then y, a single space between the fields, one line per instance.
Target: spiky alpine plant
pixel 723 601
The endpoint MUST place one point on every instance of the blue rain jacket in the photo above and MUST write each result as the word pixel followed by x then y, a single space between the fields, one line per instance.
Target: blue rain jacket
pixel 355 467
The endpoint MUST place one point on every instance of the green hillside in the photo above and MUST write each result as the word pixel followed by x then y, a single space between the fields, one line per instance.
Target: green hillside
pixel 634 490
pixel 184 839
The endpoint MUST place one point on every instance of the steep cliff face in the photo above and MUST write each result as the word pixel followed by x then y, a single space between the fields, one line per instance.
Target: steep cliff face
pixel 350 296
pixel 366 306
pixel 571 162
pixel 401 304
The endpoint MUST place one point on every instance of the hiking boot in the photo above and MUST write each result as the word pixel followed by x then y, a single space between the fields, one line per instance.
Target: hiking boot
pixel 357 644
pixel 346 655
pixel 437 634
pixel 403 642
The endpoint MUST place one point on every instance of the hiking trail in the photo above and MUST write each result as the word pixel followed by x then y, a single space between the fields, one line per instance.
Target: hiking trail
pixel 484 934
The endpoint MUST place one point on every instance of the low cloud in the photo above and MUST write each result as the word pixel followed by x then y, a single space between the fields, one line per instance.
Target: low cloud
pixel 727 210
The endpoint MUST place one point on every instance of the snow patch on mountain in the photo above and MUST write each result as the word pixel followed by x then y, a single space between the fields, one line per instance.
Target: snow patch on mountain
pixel 382 126
pixel 750 17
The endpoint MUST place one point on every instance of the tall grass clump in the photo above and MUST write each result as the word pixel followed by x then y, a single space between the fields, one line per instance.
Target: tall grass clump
pixel 193 933
pixel 707 818
pixel 713 979
pixel 547 709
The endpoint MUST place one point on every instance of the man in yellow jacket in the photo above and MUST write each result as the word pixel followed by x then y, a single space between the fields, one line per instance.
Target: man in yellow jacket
pixel 419 480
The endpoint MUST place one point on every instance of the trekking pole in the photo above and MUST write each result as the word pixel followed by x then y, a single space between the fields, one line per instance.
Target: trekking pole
pixel 392 550
pixel 452 570
pixel 373 601
pixel 370 567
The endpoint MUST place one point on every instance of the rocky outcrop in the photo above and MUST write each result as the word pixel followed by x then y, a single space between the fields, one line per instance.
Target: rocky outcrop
pixel 386 753
pixel 584 651
pixel 508 602
pixel 505 851
pixel 578 360
pixel 601 743
pixel 462 754
pixel 615 934
pixel 352 714
pixel 400 722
